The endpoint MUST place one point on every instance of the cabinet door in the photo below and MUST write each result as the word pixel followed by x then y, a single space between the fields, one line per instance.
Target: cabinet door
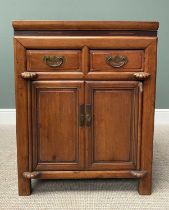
pixel 113 136
pixel 58 142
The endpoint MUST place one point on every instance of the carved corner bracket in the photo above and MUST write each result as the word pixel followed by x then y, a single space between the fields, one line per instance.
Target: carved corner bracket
pixel 31 175
pixel 28 75
pixel 141 75
pixel 138 174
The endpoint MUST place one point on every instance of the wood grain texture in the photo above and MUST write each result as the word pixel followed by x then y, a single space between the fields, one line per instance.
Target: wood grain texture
pixel 84 25
pixel 85 60
pixel 115 139
pixel 78 42
pixel 58 142
pixel 112 140
pixel 22 129
pixel 85 33
pixel 98 60
pixel 71 62
pixel 145 184
pixel 88 174
pixel 113 76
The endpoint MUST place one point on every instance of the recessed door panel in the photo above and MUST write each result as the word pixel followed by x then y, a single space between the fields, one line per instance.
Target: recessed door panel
pixel 114 134
pixel 57 136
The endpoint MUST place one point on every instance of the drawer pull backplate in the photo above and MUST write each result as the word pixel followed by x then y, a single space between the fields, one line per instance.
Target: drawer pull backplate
pixel 116 61
pixel 54 61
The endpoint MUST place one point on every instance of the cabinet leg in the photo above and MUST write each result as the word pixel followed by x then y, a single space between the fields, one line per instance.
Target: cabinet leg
pixel 145 185
pixel 24 186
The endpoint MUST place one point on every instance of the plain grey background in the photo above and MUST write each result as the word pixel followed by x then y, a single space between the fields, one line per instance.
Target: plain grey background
pixel 141 10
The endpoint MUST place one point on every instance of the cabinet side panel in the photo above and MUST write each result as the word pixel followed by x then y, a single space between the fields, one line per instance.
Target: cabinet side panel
pixel 145 184
pixel 22 126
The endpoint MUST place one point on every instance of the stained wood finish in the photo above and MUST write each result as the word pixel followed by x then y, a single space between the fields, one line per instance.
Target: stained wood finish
pixel 22 129
pixel 85 33
pixel 113 137
pixel 98 60
pixel 58 142
pixel 90 174
pixel 145 184
pixel 85 25
pixel 71 62
pixel 111 134
pixel 92 42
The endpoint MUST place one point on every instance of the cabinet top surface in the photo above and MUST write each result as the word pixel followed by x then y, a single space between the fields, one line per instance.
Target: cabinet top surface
pixel 84 25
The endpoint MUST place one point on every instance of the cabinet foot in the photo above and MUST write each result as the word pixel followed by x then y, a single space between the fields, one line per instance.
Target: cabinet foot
pixel 145 185
pixel 24 187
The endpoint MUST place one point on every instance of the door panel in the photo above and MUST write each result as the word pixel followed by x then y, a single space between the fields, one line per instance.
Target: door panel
pixel 113 137
pixel 57 136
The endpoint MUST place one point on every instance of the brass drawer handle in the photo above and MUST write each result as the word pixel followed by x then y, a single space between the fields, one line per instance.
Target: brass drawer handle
pixel 116 61
pixel 54 61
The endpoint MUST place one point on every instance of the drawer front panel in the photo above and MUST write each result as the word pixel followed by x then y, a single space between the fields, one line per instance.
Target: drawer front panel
pixel 54 60
pixel 116 60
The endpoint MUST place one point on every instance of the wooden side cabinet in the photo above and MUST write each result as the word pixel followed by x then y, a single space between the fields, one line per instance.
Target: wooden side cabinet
pixel 85 95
